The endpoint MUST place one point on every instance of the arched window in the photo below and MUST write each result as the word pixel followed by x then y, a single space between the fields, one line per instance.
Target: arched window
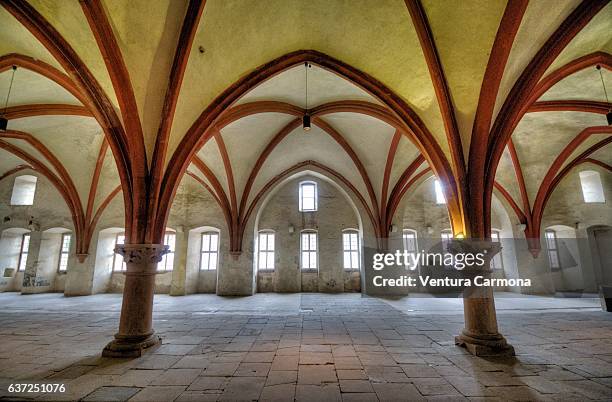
pixel 350 249
pixel 592 190
pixel 62 265
pixel 497 262
pixel 118 262
pixel 308 245
pixel 209 252
pixel 265 243
pixel 553 250
pixel 167 261
pixel 23 190
pixel 409 239
pixel 308 196
pixel 23 251
pixel 439 192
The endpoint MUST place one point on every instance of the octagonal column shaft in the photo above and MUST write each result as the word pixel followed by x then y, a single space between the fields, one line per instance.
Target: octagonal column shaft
pixel 136 322
pixel 480 335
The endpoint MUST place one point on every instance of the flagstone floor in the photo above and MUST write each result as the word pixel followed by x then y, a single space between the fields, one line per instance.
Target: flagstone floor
pixel 305 347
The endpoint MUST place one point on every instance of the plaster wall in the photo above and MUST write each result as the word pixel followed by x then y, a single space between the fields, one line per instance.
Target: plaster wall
pixel 195 211
pixel 282 216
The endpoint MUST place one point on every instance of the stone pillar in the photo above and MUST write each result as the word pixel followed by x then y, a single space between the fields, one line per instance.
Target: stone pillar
pixel 136 322
pixel 480 335
pixel 79 277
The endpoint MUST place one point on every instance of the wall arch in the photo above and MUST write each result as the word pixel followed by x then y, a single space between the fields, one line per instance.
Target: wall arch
pixel 199 131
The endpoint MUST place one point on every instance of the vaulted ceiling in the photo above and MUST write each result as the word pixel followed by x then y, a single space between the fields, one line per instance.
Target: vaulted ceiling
pixel 455 66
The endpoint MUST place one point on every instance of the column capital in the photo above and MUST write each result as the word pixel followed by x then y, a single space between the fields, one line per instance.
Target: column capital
pixel 142 253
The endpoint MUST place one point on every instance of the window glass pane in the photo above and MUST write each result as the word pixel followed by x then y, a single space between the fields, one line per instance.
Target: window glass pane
pixel 65 243
pixel 350 248
pixel 169 262
pixel 205 242
pixel 210 244
pixel 347 260
pixel 592 189
pixel 63 264
pixel 270 242
pixel 205 261
pixel 214 242
pixel 308 197
pixel 410 241
pixel 26 243
pixel 24 189
pixel 550 240
pixel 270 261
pixel 171 241
pixel 439 193
pixel 554 259
pixel 308 204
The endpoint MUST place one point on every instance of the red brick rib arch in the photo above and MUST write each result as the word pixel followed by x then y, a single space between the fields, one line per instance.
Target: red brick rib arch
pixel 198 132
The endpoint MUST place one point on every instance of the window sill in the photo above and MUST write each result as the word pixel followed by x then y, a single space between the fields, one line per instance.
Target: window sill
pixel 309 271
pixel 266 271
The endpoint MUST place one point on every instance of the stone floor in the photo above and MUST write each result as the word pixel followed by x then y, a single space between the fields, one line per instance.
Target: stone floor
pixel 308 347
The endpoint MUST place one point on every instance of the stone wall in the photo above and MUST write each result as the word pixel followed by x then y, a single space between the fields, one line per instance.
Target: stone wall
pixel 195 211
pixel 281 215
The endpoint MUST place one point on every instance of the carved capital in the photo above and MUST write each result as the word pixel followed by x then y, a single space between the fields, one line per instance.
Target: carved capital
pixel 142 253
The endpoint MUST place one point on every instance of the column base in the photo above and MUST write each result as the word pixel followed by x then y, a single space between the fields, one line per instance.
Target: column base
pixel 484 345
pixel 130 346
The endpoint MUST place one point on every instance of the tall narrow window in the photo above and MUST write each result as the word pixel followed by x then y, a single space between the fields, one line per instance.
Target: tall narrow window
pixel 308 196
pixel 439 192
pixel 23 190
pixel 118 263
pixel 553 249
pixel 350 249
pixel 23 251
pixel 210 251
pixel 64 252
pixel 409 238
pixel 266 251
pixel 497 262
pixel 167 261
pixel 592 190
pixel 446 236
pixel 309 250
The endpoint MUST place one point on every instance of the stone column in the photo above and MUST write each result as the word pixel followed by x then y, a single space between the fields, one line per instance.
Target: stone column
pixel 136 322
pixel 480 335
